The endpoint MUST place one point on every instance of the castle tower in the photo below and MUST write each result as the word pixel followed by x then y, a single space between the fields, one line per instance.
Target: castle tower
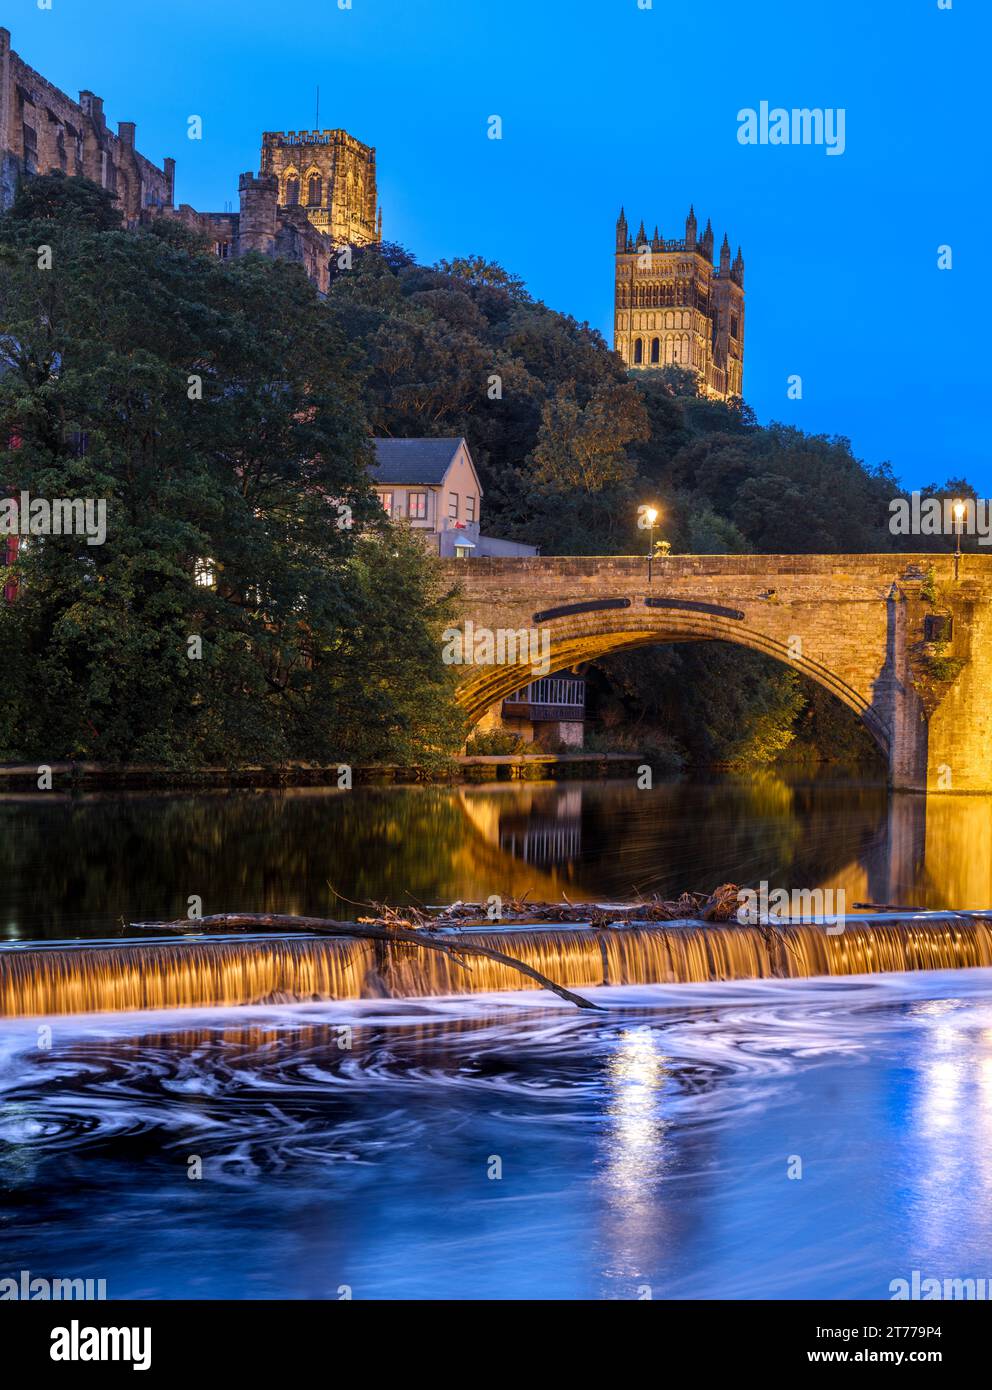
pixel 258 222
pixel 675 308
pixel 331 176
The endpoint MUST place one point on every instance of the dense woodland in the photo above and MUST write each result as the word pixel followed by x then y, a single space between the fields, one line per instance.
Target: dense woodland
pixel 223 408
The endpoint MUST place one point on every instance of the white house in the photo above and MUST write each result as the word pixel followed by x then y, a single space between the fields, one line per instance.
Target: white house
pixel 432 484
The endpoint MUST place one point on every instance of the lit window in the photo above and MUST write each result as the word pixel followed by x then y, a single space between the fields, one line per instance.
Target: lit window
pixel 453 505
pixel 418 506
pixel 386 498
pixel 204 574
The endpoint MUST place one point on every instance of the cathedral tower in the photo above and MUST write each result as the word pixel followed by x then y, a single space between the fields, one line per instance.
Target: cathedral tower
pixel 673 306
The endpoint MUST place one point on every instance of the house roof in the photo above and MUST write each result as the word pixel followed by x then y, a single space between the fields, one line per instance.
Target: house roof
pixel 413 461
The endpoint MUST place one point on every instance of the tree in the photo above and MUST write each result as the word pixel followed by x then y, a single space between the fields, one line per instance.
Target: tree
pixel 214 408
pixel 583 448
pixel 479 273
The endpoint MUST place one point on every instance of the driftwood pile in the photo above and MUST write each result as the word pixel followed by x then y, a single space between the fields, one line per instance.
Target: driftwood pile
pixel 719 906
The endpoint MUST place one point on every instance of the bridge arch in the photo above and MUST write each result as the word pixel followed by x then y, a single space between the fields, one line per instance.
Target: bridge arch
pixel 860 621
pixel 590 636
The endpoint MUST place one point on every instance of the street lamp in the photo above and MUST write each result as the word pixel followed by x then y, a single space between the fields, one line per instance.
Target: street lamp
pixel 650 516
pixel 959 510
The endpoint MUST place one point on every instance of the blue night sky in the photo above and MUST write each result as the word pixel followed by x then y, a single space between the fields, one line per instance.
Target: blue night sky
pixel 603 103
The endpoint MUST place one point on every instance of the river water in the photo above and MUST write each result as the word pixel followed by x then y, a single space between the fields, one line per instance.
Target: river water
pixel 84 866
pixel 777 1138
pixel 782 1139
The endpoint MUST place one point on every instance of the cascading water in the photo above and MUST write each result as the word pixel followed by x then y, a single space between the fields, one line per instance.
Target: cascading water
pixel 69 979
pixel 41 980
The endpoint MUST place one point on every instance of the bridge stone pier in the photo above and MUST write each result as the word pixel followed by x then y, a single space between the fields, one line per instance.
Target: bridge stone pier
pixel 902 640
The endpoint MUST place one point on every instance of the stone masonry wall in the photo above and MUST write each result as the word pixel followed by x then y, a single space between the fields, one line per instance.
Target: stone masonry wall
pixel 43 130
pixel 853 623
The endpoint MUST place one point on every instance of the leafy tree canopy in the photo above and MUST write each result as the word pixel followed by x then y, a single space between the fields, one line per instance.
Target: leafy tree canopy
pixel 250 602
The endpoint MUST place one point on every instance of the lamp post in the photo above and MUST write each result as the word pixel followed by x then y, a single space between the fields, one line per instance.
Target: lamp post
pixel 959 510
pixel 651 516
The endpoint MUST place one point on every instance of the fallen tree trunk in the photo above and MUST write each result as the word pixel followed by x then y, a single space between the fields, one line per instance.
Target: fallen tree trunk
pixel 367 931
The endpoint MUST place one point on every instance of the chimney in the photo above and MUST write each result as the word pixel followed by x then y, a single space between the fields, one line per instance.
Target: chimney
pixel 93 106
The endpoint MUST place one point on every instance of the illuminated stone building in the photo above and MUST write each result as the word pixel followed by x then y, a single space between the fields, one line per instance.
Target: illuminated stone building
pixel 674 307
pixel 331 176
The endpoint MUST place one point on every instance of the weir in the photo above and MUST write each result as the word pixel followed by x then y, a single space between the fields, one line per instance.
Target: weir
pixel 44 979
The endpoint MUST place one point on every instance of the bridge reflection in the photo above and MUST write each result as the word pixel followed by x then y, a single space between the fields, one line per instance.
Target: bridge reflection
pixel 609 839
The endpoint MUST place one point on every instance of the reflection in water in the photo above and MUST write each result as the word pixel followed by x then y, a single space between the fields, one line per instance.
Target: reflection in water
pixel 68 867
pixel 637 1150
pixel 642 1147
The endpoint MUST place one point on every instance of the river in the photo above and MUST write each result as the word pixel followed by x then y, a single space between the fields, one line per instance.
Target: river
pixel 780 1138
pixel 85 865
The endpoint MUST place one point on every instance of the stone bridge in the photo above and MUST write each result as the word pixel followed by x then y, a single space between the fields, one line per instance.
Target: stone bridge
pixel 905 641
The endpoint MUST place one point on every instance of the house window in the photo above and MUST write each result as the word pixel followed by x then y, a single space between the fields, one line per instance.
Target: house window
pixel 417 506
pixel 292 191
pixel 386 498
pixel 655 350
pixel 638 352
pixel 734 326
pixel 469 508
pixel 453 505
pixel 313 191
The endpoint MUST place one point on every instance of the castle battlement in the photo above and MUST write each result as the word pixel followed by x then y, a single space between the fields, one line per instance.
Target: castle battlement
pixel 257 181
pixel 282 138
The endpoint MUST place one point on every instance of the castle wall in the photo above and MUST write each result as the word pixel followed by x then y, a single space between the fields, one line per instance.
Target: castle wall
pixel 43 130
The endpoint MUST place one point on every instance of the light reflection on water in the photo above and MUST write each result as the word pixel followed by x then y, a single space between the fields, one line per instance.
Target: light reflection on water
pixel 647 1147
pixel 637 1150
pixel 67 865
